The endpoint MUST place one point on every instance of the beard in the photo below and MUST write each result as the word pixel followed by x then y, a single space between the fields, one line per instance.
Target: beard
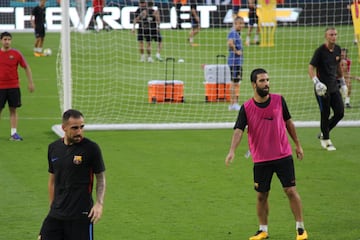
pixel 263 92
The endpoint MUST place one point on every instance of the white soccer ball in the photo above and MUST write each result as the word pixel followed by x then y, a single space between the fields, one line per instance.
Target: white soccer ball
pixel 47 52
pixel 181 60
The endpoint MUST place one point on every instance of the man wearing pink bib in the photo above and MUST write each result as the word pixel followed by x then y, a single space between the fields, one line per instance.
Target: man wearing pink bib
pixel 268 120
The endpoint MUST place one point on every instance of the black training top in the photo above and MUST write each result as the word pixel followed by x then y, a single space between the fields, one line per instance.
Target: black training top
pixel 326 63
pixel 149 22
pixel 137 13
pixel 74 167
pixel 39 15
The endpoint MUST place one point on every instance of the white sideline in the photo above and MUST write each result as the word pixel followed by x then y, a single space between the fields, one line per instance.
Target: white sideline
pixel 173 126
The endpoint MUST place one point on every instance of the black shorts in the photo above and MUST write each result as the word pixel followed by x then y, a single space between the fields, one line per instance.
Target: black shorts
pixel 55 229
pixel 253 18
pixel 235 10
pixel 263 172
pixel 149 35
pixel 12 96
pixel 194 24
pixel 98 14
pixel 236 73
pixel 40 31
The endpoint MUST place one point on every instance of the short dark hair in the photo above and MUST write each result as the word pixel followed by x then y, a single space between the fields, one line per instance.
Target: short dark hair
pixel 5 34
pixel 255 72
pixel 71 113
pixel 238 18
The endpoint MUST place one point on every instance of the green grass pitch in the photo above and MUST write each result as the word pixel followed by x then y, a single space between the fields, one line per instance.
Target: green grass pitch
pixel 172 184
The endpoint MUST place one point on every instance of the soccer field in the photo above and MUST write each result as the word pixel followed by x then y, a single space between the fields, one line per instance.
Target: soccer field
pixel 173 184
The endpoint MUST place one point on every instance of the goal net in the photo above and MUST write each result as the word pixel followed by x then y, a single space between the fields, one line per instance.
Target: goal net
pixel 189 87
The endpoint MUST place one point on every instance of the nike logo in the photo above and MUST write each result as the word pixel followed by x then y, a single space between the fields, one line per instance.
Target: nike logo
pixel 54 159
pixel 269 118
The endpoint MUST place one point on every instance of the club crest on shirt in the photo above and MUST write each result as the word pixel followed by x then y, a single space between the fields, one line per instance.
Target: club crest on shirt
pixel 11 57
pixel 77 160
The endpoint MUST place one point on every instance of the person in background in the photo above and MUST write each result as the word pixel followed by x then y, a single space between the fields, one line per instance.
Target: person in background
pixel 153 18
pixel 98 6
pixel 195 23
pixel 73 162
pixel 38 21
pixel 268 122
pixel 10 59
pixel 235 8
pixel 324 70
pixel 149 29
pixel 140 32
pixel 235 61
pixel 345 65
pixel 253 23
pixel 178 4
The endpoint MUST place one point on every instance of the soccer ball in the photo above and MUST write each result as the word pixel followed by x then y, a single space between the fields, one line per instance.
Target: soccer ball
pixel 47 52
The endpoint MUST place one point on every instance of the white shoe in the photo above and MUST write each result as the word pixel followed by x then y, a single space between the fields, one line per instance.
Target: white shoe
pixel 327 144
pixel 142 59
pixel 234 107
pixel 320 136
pixel 150 60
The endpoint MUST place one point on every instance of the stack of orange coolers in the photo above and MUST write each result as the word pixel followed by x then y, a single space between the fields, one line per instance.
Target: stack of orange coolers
pixel 217 83
pixel 166 90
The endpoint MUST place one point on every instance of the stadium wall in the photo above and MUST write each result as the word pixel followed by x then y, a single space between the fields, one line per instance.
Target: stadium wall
pixel 313 13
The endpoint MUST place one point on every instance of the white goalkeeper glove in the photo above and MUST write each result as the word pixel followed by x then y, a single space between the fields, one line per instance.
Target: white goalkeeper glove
pixel 320 88
pixel 343 87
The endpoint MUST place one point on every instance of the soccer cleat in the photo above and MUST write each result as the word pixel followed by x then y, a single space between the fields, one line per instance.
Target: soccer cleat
pixel 159 58
pixel 347 105
pixel 15 137
pixel 150 60
pixel 142 59
pixel 327 144
pixel 301 234
pixel 38 54
pixel 259 235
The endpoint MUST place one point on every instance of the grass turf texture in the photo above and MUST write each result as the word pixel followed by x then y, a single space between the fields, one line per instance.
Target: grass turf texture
pixel 172 184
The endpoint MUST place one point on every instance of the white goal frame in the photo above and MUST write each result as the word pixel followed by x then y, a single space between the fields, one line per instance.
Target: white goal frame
pixel 67 94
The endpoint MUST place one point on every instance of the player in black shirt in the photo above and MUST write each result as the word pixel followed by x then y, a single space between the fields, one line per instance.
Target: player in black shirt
pixel 73 161
pixel 253 23
pixel 38 19
pixel 149 29
pixel 195 22
pixel 324 70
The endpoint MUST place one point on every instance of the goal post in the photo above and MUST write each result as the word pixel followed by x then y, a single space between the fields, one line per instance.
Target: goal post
pixel 65 53
pixel 102 75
